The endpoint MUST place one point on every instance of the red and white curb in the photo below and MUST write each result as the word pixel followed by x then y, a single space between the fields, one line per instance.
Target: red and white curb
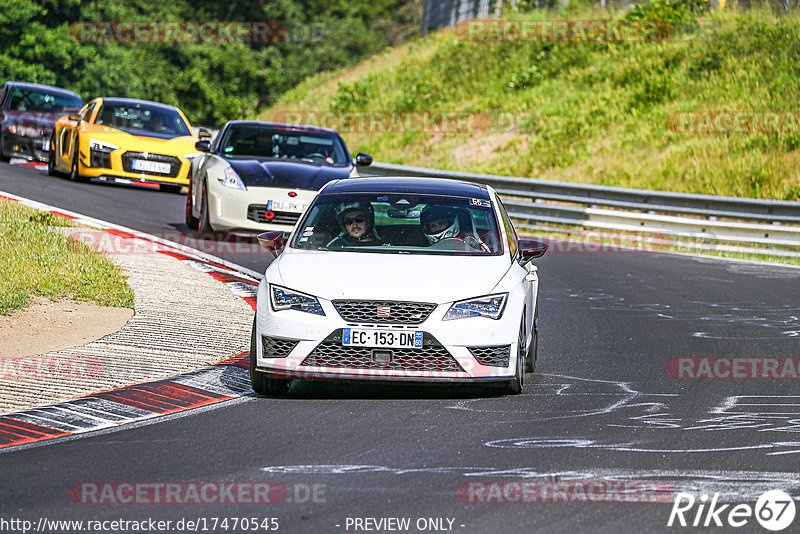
pixel 223 381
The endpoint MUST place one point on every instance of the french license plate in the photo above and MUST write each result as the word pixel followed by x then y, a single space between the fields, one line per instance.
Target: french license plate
pixel 286 205
pixel 397 339
pixel 150 166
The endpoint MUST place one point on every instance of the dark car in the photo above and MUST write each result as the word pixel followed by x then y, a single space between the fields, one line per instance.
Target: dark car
pixel 28 112
pixel 262 175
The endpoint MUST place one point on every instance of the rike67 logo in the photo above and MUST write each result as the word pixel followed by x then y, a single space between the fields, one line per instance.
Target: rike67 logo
pixel 774 510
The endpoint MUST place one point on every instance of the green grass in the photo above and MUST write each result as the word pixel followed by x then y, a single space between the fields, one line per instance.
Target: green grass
pixel 590 112
pixel 35 260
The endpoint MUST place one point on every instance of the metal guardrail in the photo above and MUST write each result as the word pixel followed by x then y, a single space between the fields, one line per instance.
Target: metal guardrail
pixel 702 218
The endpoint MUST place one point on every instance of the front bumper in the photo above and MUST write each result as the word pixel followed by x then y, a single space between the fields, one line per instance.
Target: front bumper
pixel 30 148
pixel 116 172
pixel 230 208
pixel 444 358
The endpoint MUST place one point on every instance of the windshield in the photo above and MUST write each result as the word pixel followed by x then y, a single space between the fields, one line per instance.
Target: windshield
pixel 27 100
pixel 163 122
pixel 400 223
pixel 280 143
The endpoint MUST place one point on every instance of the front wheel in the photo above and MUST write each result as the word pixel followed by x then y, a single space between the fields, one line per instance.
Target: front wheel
pixel 530 360
pixel 205 219
pixel 51 160
pixel 514 386
pixel 262 384
pixel 3 157
pixel 75 174
pixel 191 221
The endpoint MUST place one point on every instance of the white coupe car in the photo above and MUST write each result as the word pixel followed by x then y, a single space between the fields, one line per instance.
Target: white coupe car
pixel 398 279
pixel 262 175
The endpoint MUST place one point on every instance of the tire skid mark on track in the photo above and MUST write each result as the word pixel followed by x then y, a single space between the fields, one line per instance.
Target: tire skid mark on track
pixel 226 380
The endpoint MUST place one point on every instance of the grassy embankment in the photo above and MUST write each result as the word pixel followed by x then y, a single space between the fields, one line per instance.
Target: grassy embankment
pixel 590 112
pixel 34 260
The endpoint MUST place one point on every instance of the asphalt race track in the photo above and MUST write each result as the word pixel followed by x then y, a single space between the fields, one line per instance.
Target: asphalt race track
pixel 604 411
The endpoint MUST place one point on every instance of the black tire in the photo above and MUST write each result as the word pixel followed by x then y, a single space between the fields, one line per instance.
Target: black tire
pixel 3 157
pixel 75 174
pixel 191 221
pixel 262 384
pixel 530 359
pixel 51 160
pixel 205 222
pixel 515 385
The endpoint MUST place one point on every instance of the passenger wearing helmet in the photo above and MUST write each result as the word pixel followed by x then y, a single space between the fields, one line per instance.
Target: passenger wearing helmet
pixel 439 222
pixel 357 223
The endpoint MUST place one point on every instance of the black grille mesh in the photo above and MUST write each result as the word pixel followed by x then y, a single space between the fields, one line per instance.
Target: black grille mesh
pixel 494 356
pixel 366 311
pixel 277 348
pixel 427 359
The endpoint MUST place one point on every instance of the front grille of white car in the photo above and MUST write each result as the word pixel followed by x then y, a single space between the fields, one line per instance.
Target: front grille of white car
pixel 277 348
pixel 431 358
pixel 383 311
pixel 494 356
pixel 258 213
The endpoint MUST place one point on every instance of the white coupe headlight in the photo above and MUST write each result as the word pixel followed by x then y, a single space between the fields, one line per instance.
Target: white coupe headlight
pixel 490 306
pixel 102 146
pixel 231 179
pixel 190 157
pixel 286 299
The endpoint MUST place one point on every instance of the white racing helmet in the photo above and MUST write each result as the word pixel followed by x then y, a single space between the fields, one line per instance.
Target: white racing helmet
pixel 434 212
pixel 366 207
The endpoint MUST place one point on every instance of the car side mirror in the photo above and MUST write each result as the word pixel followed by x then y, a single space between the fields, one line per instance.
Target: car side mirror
pixel 272 242
pixel 530 249
pixel 363 160
pixel 203 145
pixel 76 118
pixel 203 134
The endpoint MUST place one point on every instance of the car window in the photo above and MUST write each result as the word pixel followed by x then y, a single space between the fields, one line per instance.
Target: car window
pixel 30 100
pixel 3 93
pixel 87 113
pixel 321 148
pixel 400 223
pixel 143 119
pixel 511 233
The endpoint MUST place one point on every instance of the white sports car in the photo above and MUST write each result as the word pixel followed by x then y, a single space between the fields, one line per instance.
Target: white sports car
pixel 262 175
pixel 398 279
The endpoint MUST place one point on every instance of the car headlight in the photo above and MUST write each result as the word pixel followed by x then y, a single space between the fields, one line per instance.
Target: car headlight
pixel 102 146
pixel 490 306
pixel 190 157
pixel 231 179
pixel 286 299
pixel 25 131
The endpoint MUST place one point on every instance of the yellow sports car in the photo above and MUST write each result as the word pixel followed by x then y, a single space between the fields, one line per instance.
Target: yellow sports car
pixel 125 141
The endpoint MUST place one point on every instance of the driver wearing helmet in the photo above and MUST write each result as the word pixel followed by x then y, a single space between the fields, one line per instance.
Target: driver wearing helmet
pixel 439 222
pixel 357 222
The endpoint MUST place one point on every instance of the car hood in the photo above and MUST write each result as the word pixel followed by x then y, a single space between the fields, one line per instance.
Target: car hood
pixel 140 143
pixel 419 278
pixel 285 174
pixel 41 120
